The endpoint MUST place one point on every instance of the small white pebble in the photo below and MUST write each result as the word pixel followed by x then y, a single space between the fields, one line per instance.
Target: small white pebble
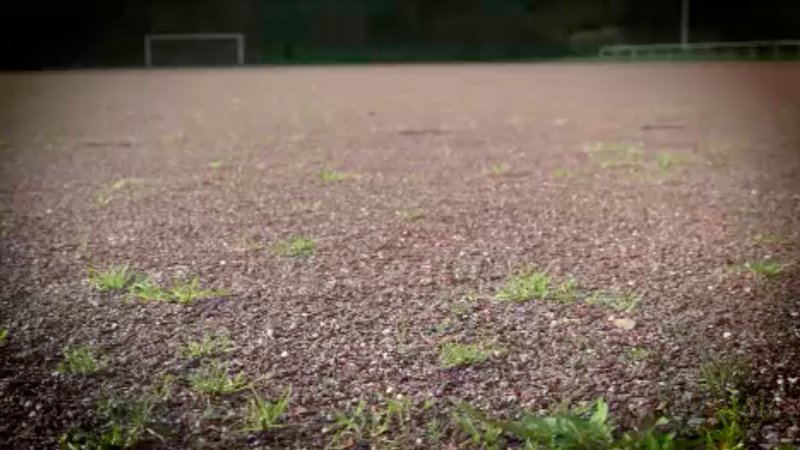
pixel 389 390
pixel 270 332
pixel 727 335
pixel 222 263
pixel 284 354
pixel 386 331
pixel 793 380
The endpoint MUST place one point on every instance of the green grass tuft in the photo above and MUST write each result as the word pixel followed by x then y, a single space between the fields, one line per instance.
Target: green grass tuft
pixel 640 354
pixel 213 378
pixel 147 290
pixel 263 415
pixel 722 376
pixel 563 173
pixel 114 278
pixel 623 301
pixel 209 345
pixel 566 292
pixel 767 269
pixel 501 168
pixel 80 359
pixel 452 354
pixel 327 174
pixel 525 286
pixel 3 336
pixel 182 292
pixel 411 214
pixel 297 247
pixel 768 239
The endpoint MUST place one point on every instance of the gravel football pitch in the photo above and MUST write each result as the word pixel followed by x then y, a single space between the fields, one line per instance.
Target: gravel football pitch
pixel 416 192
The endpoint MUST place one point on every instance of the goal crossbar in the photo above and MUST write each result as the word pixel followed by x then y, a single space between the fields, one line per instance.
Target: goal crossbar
pixel 150 38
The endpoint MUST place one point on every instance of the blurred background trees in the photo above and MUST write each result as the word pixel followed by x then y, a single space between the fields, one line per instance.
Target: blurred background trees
pixel 97 32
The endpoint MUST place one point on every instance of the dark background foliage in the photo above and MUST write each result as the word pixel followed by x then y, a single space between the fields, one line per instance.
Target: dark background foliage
pixel 80 33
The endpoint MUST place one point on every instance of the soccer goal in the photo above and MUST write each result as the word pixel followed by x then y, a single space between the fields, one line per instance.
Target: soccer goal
pixel 194 49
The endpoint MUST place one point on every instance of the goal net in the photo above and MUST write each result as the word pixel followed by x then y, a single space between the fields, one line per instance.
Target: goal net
pixel 181 50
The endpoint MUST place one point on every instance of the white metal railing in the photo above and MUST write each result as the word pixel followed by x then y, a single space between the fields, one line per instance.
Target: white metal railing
pixel 753 48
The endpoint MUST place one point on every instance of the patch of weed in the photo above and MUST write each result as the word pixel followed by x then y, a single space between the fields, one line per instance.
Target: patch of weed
pixel 411 214
pixel 209 345
pixel 566 292
pixel 248 245
pixel 527 285
pixel 215 164
pixel 297 247
pixel 768 269
pixel 80 359
pixel 665 160
pixel 379 426
pixel 162 391
pixel 640 354
pixel 114 278
pixel 768 239
pixel 745 211
pixel 453 354
pixel 617 154
pixel 723 375
pixel 263 415
pixel 563 430
pixel 327 174
pixel 501 168
pixel 563 173
pixel 623 301
pixel 147 290
pixel 3 336
pixel 183 292
pixel 213 377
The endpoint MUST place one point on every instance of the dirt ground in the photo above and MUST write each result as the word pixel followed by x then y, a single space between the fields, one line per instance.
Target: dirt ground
pixel 661 181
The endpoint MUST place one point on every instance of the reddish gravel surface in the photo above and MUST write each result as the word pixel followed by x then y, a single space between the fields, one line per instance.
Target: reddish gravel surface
pixel 220 166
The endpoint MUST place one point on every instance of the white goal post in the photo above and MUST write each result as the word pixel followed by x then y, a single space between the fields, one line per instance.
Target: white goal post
pixel 151 38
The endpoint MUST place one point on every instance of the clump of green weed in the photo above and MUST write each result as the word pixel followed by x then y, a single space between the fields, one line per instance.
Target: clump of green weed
pixel 527 285
pixel 146 289
pixel 162 390
pixel 182 292
pixel 3 335
pixel 640 354
pixel 327 174
pixel 566 292
pixel 768 269
pixel 768 239
pixel 453 354
pixel 213 377
pixel 501 168
pixel 297 247
pixel 623 301
pixel 617 155
pixel 591 428
pixel 263 415
pixel 411 214
pixel 80 359
pixel 379 426
pixel 113 278
pixel 215 164
pixel 125 424
pixel 563 173
pixel 722 375
pixel 209 345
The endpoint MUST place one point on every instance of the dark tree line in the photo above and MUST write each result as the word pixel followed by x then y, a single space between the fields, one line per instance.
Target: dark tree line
pixel 97 32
